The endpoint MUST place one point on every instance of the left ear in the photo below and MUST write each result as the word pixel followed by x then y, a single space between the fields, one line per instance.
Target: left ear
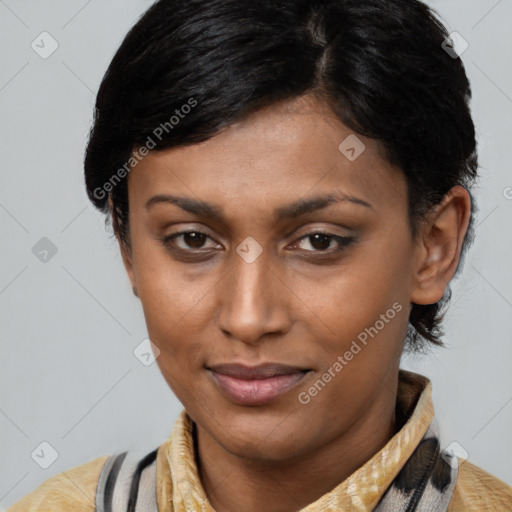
pixel 439 245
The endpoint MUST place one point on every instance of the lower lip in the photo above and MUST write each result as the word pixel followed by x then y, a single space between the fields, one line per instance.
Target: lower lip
pixel 256 391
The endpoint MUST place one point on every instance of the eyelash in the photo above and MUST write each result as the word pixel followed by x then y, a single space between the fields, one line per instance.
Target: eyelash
pixel 343 242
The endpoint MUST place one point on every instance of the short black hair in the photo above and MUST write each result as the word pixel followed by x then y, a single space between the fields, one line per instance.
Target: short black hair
pixel 189 68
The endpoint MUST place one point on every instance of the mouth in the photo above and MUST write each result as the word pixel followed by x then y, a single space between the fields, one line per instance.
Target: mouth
pixel 256 385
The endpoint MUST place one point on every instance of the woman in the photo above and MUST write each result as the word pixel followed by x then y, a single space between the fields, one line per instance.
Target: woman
pixel 289 182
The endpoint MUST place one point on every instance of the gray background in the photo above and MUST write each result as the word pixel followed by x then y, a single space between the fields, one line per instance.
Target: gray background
pixel 69 325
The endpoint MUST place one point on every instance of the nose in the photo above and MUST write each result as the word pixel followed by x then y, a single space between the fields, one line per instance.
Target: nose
pixel 253 301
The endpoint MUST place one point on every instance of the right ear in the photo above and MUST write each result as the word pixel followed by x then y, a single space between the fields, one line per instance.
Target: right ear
pixel 126 255
pixel 125 249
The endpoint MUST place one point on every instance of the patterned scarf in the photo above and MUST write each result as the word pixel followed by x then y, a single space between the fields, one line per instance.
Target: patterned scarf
pixel 410 473
pixel 426 482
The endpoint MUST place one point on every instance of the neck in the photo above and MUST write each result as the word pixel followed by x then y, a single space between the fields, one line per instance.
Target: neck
pixel 235 483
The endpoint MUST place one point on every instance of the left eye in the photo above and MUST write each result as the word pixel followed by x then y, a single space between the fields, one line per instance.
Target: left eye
pixel 320 242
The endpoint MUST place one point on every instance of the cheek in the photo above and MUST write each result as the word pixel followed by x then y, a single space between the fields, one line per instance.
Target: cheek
pixel 173 306
pixel 165 287
pixel 361 308
pixel 354 295
pixel 380 274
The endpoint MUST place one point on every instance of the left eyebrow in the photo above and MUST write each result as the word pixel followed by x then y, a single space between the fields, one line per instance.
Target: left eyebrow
pixel 292 210
pixel 312 204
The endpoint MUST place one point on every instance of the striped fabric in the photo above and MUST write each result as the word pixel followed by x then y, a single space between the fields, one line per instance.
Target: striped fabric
pixel 411 472
pixel 127 484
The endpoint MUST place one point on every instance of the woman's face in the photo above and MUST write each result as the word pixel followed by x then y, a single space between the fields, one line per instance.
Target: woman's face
pixel 252 282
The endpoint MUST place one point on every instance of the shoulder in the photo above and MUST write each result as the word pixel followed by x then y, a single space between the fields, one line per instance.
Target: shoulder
pixel 73 489
pixel 477 490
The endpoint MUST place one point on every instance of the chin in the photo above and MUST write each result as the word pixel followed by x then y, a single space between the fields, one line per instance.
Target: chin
pixel 263 450
pixel 261 440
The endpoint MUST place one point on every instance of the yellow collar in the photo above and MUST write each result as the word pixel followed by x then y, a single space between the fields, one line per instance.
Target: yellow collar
pixel 179 488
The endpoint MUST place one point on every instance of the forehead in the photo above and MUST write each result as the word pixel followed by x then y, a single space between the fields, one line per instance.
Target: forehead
pixel 296 148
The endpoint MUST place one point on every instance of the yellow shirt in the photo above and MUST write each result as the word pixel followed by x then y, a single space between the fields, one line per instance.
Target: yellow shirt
pixel 179 487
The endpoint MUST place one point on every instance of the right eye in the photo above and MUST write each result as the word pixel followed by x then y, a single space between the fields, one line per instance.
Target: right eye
pixel 190 240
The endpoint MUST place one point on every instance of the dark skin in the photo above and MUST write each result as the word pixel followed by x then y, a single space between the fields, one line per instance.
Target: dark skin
pixel 299 303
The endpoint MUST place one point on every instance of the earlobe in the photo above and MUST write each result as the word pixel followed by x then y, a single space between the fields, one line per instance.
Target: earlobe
pixel 439 246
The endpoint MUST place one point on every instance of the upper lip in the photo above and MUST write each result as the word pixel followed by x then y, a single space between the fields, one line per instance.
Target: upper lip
pixel 261 371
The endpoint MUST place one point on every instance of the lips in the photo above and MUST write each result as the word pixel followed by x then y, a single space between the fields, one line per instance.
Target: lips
pixel 256 385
